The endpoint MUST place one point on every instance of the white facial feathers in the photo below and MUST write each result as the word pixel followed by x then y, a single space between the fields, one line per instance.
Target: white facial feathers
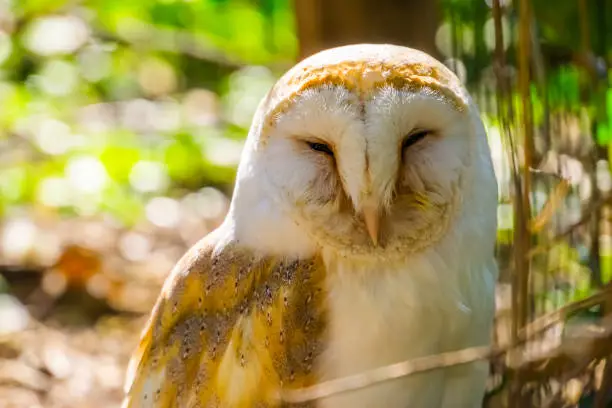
pixel 366 138
pixel 331 156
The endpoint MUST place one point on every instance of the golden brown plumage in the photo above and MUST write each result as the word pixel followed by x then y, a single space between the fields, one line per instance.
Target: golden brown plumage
pixel 229 329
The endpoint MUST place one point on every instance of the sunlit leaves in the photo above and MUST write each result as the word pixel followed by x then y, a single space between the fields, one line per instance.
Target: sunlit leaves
pixel 6 47
pixel 604 126
pixel 119 161
pixel 14 99
pixel 609 104
pixel 157 77
pixel 120 201
pixel 149 177
pixel 54 35
pixel 537 106
pixel 95 63
pixel 183 159
pixel 54 137
pixel 603 134
pixel 564 87
pixel 86 174
pixel 201 107
pixel 246 87
pixel 12 184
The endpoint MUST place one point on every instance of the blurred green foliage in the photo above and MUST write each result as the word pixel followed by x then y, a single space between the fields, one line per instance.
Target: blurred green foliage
pixel 106 103
pixel 570 106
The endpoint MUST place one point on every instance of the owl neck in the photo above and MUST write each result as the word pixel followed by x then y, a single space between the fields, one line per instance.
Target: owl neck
pixel 258 222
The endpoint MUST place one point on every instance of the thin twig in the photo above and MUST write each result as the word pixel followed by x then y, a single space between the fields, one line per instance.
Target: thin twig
pixel 544 322
pixel 586 217
pixel 387 373
pixel 551 205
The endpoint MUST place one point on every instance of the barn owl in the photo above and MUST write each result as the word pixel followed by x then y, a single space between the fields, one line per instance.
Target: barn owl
pixel 360 233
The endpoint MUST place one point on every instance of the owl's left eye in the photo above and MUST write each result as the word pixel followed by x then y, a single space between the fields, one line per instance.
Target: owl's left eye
pixel 414 138
pixel 321 147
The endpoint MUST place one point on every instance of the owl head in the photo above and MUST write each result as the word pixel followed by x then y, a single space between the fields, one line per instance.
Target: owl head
pixel 361 150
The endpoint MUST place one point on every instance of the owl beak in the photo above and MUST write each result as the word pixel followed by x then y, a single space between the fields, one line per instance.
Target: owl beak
pixel 372 222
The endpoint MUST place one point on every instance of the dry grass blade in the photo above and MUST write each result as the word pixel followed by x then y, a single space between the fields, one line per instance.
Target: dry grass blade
pixel 544 322
pixel 586 218
pixel 571 357
pixel 550 207
pixel 386 373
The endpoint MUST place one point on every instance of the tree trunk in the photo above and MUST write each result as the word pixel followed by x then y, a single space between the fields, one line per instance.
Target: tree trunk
pixel 323 24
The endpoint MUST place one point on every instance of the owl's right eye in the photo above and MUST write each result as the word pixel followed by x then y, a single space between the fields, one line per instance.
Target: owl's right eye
pixel 321 147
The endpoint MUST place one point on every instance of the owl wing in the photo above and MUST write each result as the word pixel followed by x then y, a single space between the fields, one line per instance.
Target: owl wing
pixel 229 329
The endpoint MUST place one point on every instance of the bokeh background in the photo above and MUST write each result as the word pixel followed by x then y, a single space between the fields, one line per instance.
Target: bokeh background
pixel 122 122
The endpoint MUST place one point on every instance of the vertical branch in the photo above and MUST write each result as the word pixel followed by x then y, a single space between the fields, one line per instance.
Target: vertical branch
pixel 539 75
pixel 602 395
pixel 506 114
pixel 520 289
pixel 526 120
pixel 500 57
pixel 504 103
pixel 585 51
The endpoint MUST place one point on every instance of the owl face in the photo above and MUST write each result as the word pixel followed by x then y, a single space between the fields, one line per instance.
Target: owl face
pixel 367 149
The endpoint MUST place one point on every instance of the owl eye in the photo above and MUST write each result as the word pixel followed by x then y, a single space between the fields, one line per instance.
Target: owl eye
pixel 414 138
pixel 320 147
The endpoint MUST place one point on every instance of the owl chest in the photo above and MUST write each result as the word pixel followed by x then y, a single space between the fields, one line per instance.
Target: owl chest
pixel 387 317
